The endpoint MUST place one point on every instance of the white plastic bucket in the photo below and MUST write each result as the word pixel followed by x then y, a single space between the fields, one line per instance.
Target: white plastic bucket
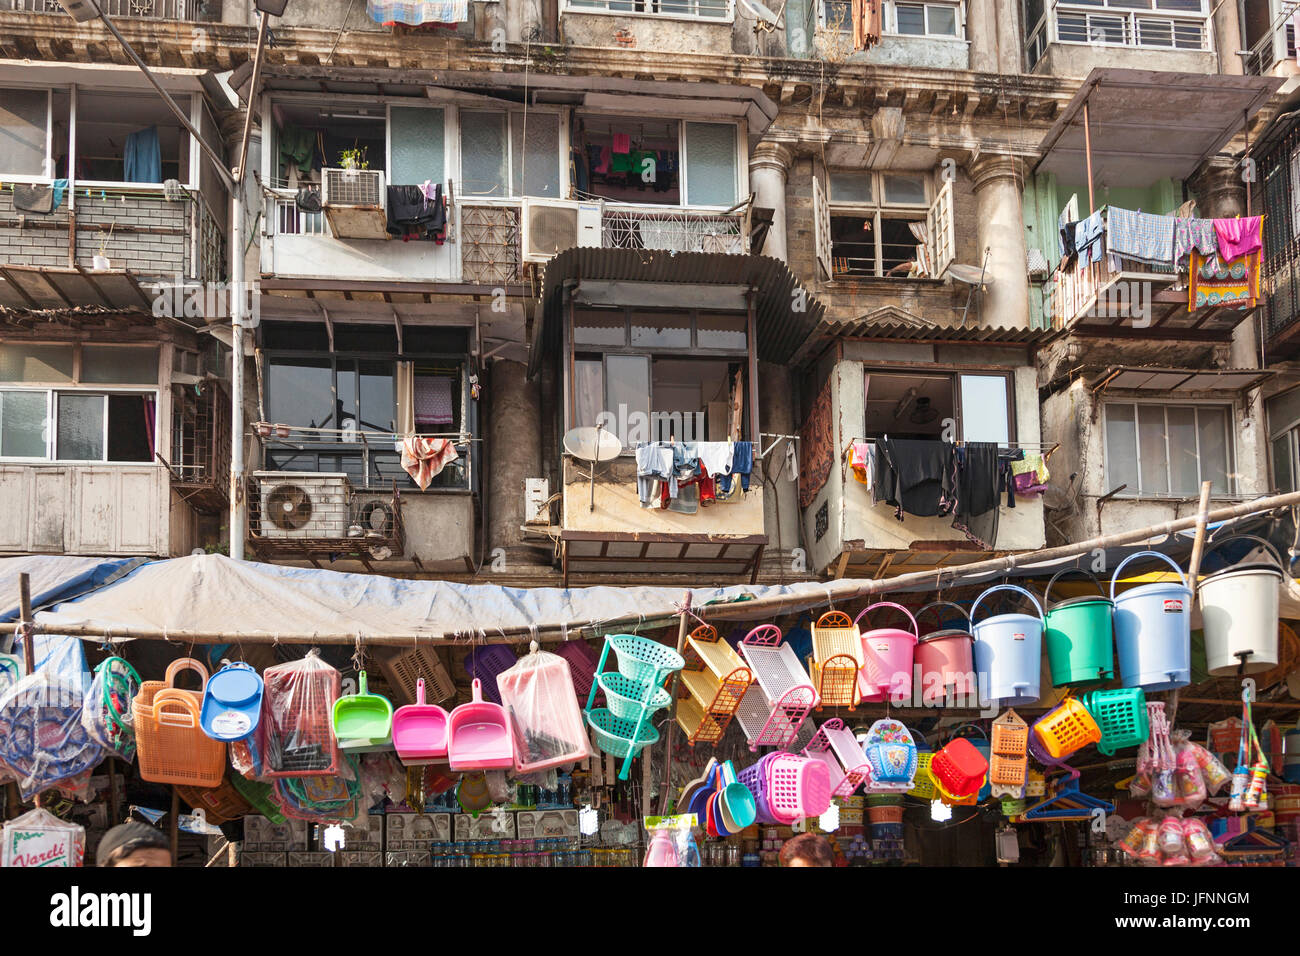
pixel 1239 611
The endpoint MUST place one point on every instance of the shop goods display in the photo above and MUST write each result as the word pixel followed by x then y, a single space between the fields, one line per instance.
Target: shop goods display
pixel 537 693
pixel 1153 629
pixel 485 662
pixel 1009 763
pixel 835 746
pixel 837 659
pixel 892 755
pixel 1065 729
pixel 945 659
pixel 106 712
pixel 625 725
pixel 1121 715
pixel 781 697
pixel 403 669
pixel 296 735
pixel 1078 634
pixel 1008 648
pixel 959 769
pixel 232 703
pixel 171 744
pixel 788 787
pixel 714 680
pixel 363 721
pixel 887 655
pixel 478 735
pixel 420 730
pixel 1239 611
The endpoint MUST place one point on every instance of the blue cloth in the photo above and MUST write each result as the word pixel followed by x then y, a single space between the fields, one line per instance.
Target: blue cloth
pixel 142 157
pixel 59 186
pixel 1087 238
pixel 654 462
pixel 1140 236
pixel 742 462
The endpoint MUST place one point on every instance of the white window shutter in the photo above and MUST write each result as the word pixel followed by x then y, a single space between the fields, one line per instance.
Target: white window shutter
pixel 939 225
pixel 822 226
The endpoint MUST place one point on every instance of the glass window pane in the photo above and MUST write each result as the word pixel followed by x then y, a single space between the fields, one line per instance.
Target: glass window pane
pixel 984 409
pixel 35 363
pixel 711 164
pixel 22 424
pixel 1189 35
pixel 1153 463
pixel 1121 439
pixel 911 18
pixel 1212 424
pixel 661 330
pixel 81 427
pixel 850 186
pixel 115 365
pixel 1283 410
pixel 536 170
pixel 1072 27
pixel 416 136
pixel 1182 449
pixel 905 188
pixel 600 328
pixel 483 153
pixel 721 332
pixel 627 386
pixel 379 397
pixel 942 21
pixel 588 391
pixel 299 391
pixel 1283 474
pixel 1155 33
pixel 345 383
pixel 1190 6
pixel 838 14
pixel 22 132
pixel 131 421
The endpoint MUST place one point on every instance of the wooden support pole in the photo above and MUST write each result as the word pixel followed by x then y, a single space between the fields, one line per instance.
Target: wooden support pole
pixel 670 734
pixel 27 627
pixel 174 829
pixel 1194 571
pixel 1087 152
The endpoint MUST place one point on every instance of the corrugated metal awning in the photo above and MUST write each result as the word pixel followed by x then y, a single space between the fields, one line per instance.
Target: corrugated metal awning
pixel 51 287
pixel 868 328
pixel 1147 125
pixel 782 326
pixel 1184 379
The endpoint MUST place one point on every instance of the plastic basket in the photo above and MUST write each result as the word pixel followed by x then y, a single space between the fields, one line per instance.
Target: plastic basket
pixel 1122 716
pixel 959 768
pixel 487 661
pixel 625 697
pixel 835 745
pixel 171 747
pixel 923 781
pixel 219 804
pixel 1066 728
pixel 892 755
pixel 298 741
pixel 837 656
pixel 788 787
pixel 614 735
pixel 642 659
pixel 403 670
pixel 258 795
pixel 582 664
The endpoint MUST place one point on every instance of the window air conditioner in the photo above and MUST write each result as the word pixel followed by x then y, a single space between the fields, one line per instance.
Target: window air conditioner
pixel 303 504
pixel 552 225
pixel 354 202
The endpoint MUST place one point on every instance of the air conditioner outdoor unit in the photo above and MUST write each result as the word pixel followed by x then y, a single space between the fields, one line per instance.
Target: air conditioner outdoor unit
pixel 354 202
pixel 304 504
pixel 552 225
pixel 537 494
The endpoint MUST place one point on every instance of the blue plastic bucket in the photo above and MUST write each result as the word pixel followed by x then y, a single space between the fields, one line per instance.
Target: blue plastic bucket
pixel 1153 630
pixel 1008 652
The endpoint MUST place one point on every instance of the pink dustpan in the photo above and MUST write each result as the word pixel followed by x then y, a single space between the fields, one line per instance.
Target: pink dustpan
pixel 420 730
pixel 478 735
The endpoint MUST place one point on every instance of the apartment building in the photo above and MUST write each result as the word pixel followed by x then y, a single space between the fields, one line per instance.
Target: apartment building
pixel 677 211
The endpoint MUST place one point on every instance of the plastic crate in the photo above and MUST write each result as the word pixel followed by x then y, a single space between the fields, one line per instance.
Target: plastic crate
pixel 1122 716
pixel 959 769
pixel 1066 728
pixel 403 669
pixel 487 661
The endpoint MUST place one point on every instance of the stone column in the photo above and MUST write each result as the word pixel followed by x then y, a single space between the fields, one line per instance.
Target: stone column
pixel 514 450
pixel 982 31
pixel 769 165
pixel 1010 47
pixel 999 184
pixel 1227 39
pixel 1220 190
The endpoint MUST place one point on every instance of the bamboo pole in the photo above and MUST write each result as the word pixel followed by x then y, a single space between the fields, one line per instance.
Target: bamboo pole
pixel 1194 572
pixel 683 628
pixel 844 589
pixel 27 627
pixel 174 829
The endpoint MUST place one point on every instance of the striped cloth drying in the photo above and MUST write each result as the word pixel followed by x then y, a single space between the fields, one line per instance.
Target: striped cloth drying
pixel 416 12
pixel 1140 236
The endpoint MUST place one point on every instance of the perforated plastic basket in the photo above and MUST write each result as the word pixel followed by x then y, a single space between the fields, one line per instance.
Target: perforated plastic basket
pixel 1066 728
pixel 959 768
pixel 614 736
pixel 219 804
pixel 582 664
pixel 923 782
pixel 642 659
pixel 1122 716
pixel 404 668
pixel 835 745
pixel 487 661
pixel 625 697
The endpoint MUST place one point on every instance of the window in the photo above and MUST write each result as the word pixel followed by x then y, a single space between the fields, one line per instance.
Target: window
pixel 1167 450
pixel 711 164
pixel 650 161
pixel 1168 24
pixel 50 411
pixel 504 154
pixel 1284 439
pixel 416 145
pixel 925 405
pixel 24 120
pixel 650 376
pixel 720 10
pixel 940 19
pixel 130 137
pixel 882 224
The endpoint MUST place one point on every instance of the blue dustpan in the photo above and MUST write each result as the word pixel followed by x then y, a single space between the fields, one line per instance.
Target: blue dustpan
pixel 232 703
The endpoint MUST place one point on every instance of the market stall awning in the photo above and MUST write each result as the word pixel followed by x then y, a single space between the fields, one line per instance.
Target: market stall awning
pixel 1148 125
pixel 55 578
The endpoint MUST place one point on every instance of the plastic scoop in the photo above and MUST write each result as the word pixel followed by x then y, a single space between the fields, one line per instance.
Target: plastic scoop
pixel 739 809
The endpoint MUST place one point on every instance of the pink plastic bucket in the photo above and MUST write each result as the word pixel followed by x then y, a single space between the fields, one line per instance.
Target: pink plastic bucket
pixel 887 654
pixel 945 661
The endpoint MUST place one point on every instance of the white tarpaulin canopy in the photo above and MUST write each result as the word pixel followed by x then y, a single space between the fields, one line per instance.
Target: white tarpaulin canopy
pixel 213 594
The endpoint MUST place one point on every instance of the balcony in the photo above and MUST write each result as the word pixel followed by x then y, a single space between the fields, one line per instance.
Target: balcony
pixel 672 229
pixel 191 10
pixel 1273 54
pixel 1071 37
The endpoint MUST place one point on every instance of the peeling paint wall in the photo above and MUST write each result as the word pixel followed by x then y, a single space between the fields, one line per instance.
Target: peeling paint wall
pixel 661 34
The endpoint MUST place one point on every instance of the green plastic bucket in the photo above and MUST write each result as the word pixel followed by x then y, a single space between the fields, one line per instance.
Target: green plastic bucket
pixel 1078 635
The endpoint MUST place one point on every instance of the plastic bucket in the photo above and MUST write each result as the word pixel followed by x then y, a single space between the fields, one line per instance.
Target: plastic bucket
pixel 1239 610
pixel 1153 630
pixel 945 662
pixel 1008 652
pixel 887 653
pixel 1078 635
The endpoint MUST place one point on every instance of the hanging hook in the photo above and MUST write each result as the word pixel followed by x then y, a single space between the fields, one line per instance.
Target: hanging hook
pixel 1247 690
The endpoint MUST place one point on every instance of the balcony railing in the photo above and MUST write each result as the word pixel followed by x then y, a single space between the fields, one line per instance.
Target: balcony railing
pixel 1076 293
pixel 1159 25
pixel 675 230
pixel 1264 55
pixel 126 9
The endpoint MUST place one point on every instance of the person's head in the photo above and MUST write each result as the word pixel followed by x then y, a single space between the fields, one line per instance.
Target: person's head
pixel 134 844
pixel 807 849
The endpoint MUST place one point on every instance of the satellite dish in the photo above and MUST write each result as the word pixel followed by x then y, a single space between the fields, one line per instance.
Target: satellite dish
pixel 971 275
pixel 759 11
pixel 592 445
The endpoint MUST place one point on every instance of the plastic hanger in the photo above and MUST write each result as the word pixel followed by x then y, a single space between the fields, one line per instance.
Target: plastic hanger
pixel 1069 803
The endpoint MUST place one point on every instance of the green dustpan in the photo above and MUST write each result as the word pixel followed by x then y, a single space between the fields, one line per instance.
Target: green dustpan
pixel 362 715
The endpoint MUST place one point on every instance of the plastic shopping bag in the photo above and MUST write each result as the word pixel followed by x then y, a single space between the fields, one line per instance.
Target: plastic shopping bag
pixel 537 693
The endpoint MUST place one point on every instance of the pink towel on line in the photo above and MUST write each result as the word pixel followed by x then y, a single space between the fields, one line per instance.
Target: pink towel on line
pixel 622 143
pixel 424 458
pixel 1237 237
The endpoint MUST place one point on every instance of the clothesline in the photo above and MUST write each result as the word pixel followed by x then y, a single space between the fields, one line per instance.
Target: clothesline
pixel 461 438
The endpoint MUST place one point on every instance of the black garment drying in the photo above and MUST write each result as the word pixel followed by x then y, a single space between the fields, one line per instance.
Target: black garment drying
pixel 1068 251
pixel 978 486
pixel 410 215
pixel 918 477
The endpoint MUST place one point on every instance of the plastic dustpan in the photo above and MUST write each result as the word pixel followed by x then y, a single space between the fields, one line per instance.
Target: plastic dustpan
pixel 478 735
pixel 420 730
pixel 232 702
pixel 363 715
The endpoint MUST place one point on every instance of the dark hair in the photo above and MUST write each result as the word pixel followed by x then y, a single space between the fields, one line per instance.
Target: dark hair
pixel 813 849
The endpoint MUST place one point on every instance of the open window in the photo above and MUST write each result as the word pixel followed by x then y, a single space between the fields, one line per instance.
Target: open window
pixel 885 224
pixel 310 136
pixel 130 137
pixel 965 406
